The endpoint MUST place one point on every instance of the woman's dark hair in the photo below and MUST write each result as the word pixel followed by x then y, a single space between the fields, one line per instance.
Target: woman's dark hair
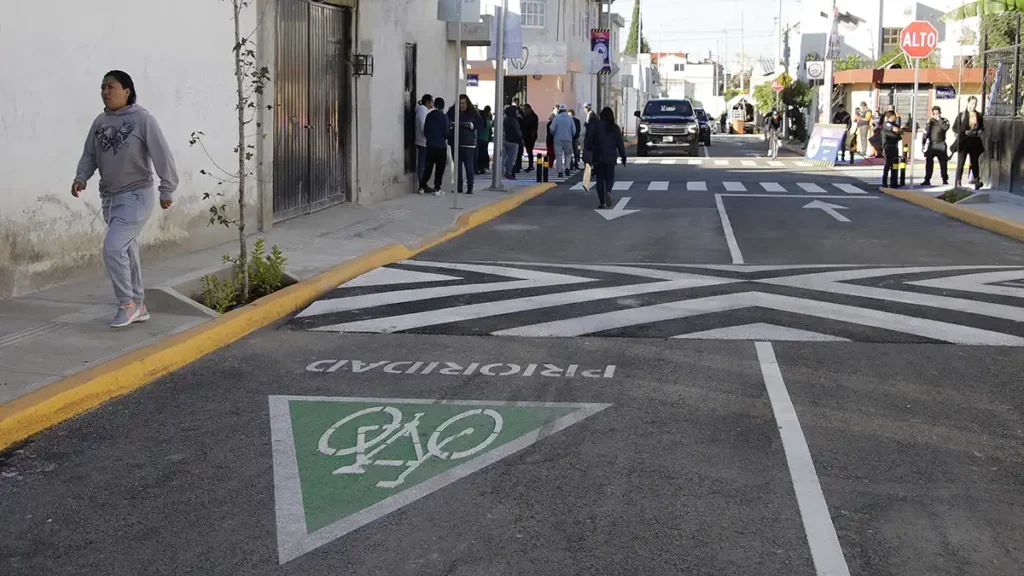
pixel 469 103
pixel 608 117
pixel 439 103
pixel 426 99
pixel 125 81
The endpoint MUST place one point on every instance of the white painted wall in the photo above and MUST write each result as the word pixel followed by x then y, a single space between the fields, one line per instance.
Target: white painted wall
pixel 384 28
pixel 49 95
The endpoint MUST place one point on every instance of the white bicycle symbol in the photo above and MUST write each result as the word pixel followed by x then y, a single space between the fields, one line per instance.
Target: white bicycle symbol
pixel 395 430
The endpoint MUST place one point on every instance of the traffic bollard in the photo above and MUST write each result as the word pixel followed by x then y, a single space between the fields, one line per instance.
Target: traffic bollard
pixel 547 164
pixel 540 170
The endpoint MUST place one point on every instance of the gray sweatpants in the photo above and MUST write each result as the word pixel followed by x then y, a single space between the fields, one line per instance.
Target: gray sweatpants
pixel 563 155
pixel 125 215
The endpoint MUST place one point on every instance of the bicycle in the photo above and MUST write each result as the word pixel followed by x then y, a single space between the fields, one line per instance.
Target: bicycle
pixel 394 430
pixel 773 143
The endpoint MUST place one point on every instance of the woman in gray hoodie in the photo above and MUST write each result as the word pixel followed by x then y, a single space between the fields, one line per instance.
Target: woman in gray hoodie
pixel 122 144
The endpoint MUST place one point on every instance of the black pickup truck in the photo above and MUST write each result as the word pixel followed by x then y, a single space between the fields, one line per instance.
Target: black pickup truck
pixel 667 123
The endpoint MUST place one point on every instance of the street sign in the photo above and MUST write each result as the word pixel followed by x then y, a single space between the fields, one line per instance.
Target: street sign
pixel 472 79
pixel 341 463
pixel 777 86
pixel 919 39
pixel 816 70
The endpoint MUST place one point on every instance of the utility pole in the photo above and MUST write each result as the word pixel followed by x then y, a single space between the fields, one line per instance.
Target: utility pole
pixel 499 100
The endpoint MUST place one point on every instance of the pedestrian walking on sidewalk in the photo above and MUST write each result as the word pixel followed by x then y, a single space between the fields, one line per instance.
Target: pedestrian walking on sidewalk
pixel 969 126
pixel 122 143
pixel 470 123
pixel 531 127
pixel 842 117
pixel 604 145
pixel 435 130
pixel 550 139
pixel 891 140
pixel 575 140
pixel 564 131
pixel 934 146
pixel 422 109
pixel 513 137
pixel 483 140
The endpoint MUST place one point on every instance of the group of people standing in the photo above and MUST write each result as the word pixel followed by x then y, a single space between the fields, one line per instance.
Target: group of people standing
pixel 888 129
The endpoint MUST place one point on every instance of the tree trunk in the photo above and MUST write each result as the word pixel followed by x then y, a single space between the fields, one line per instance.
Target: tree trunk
pixel 243 250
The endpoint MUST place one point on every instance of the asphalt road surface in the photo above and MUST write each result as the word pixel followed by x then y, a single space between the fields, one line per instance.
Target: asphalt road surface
pixel 746 367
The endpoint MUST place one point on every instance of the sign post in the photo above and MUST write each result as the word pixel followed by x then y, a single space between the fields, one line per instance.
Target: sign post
pixel 918 40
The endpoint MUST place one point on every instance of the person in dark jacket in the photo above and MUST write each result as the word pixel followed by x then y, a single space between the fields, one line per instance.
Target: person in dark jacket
pixel 576 142
pixel 483 139
pixel 891 140
pixel 470 124
pixel 513 143
pixel 531 127
pixel 605 144
pixel 843 118
pixel 549 140
pixel 934 146
pixel 436 131
pixel 969 127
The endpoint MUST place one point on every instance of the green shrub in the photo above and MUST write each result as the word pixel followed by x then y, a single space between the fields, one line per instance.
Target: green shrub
pixel 266 276
pixel 219 296
pixel 955 195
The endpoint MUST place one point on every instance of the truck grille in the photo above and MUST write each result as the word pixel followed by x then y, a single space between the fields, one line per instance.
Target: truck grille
pixel 670 128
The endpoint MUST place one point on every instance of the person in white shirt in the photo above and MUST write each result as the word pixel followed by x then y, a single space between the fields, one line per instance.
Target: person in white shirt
pixel 422 109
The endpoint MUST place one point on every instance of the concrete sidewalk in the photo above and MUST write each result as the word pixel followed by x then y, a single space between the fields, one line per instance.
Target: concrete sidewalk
pixel 49 335
pixel 993 210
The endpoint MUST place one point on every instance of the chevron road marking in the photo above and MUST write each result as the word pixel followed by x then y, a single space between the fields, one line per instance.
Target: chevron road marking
pixel 979 283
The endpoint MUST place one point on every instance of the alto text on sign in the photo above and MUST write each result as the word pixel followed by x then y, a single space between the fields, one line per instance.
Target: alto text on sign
pixel 424 368
pixel 919 39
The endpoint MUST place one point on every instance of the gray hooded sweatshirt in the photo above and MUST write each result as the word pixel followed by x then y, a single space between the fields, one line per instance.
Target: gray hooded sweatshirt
pixel 121 145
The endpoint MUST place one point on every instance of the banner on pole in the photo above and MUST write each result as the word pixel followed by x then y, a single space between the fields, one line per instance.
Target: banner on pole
pixel 448 10
pixel 824 144
pixel 513 35
pixel 600 44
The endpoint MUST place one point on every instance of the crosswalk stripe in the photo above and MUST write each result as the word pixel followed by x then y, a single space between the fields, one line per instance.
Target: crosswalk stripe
pixel 772 187
pixel 489 309
pixel 721 162
pixel 577 186
pixel 850 189
pixel 694 162
pixel 776 163
pixel 594 323
pixel 658 185
pixel 808 187
pixel 622 185
pixel 748 163
pixel 697 186
pixel 668 161
pixel 734 187
pixel 802 163
pixel 641 160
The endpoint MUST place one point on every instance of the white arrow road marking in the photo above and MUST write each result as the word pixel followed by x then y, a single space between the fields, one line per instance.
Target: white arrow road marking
pixel 514 305
pixel 932 329
pixel 829 209
pixel 526 279
pixel 618 211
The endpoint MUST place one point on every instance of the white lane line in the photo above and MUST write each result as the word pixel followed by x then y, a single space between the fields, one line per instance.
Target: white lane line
pixel 933 329
pixel 730 237
pixel 734 187
pixel 772 187
pixel 748 163
pixel 832 197
pixel 776 163
pixel 416 320
pixel 850 189
pixel 721 162
pixel 668 161
pixel 524 279
pixel 697 186
pixel 658 185
pixel 706 153
pixel 695 162
pixel 622 185
pixel 812 188
pixel 826 552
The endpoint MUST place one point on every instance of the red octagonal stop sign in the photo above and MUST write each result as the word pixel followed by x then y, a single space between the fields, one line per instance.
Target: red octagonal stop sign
pixel 919 39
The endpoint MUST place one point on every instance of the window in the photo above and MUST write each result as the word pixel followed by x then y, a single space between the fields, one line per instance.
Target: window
pixel 679 67
pixel 890 39
pixel 534 13
pixel 668 108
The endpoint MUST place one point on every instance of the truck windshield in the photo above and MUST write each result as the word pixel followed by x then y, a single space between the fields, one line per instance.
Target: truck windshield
pixel 668 108
pixel 700 113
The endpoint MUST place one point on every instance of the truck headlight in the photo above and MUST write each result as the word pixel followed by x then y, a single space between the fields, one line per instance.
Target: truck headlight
pixel 692 128
pixel 644 128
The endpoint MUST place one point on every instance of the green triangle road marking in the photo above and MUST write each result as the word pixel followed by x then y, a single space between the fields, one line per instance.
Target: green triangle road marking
pixel 341 463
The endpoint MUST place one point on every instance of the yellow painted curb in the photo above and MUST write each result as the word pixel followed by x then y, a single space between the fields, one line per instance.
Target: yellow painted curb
pixel 76 394
pixel 995 224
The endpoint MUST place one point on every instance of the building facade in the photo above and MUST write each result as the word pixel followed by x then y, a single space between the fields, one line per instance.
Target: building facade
pixel 329 129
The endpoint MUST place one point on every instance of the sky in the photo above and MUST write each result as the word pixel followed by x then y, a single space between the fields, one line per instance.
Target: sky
pixel 677 25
